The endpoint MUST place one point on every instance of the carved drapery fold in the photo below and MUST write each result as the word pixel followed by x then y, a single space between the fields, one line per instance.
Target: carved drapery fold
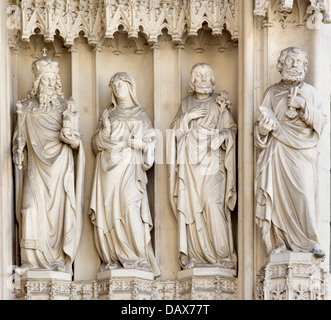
pixel 99 19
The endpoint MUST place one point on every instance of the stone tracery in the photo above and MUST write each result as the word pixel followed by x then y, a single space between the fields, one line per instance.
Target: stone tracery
pixel 101 19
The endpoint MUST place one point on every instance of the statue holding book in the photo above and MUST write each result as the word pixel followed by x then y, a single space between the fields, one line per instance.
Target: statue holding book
pixel 290 123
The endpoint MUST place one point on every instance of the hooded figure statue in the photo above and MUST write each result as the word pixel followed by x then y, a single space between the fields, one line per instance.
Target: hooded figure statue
pixel 124 145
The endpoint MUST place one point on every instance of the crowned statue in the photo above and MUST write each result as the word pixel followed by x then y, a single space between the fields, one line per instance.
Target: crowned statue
pixel 49 172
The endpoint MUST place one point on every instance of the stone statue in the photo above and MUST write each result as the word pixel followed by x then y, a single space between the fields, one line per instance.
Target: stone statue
pixel 290 123
pixel 124 145
pixel 49 161
pixel 201 157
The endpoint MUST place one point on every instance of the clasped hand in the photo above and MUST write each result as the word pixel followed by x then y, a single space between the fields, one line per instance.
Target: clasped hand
pixel 266 125
pixel 68 137
pixel 136 143
pixel 296 102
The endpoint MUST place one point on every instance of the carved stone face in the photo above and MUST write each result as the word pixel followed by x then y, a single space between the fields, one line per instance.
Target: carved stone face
pixel 203 80
pixel 294 67
pixel 47 83
pixel 120 89
pixel 47 90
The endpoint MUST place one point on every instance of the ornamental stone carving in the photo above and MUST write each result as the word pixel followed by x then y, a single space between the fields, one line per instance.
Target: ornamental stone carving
pixel 290 123
pixel 99 19
pixel 49 178
pixel 318 10
pixel 202 173
pixel 292 276
pixel 127 288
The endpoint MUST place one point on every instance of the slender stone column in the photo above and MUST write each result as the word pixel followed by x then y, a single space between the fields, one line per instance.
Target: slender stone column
pixel 246 152
pixel 165 107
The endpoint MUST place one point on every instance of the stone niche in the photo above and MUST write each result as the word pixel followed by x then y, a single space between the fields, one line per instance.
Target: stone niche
pixel 158 42
pixel 161 72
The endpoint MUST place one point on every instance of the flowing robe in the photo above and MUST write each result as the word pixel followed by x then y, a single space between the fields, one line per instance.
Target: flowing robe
pixel 119 206
pixel 285 183
pixel 202 183
pixel 49 190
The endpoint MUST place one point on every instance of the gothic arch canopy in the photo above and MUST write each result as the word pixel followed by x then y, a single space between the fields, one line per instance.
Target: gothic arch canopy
pixel 100 19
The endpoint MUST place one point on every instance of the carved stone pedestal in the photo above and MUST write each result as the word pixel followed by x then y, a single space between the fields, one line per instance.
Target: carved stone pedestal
pixel 213 283
pixel 292 276
pixel 43 285
pixel 207 283
pixel 125 284
pixel 125 273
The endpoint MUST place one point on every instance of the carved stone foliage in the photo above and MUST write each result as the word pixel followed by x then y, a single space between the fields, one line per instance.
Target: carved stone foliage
pixel 99 19
pixel 126 288
pixel 292 280
pixel 290 12
pixel 204 40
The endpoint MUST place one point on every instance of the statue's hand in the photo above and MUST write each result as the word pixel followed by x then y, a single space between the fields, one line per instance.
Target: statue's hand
pixel 217 140
pixel 68 137
pixel 296 102
pixel 266 125
pixel 135 143
pixel 197 112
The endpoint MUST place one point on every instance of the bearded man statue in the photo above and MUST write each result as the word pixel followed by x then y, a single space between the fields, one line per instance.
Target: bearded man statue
pixel 201 149
pixel 49 172
pixel 290 124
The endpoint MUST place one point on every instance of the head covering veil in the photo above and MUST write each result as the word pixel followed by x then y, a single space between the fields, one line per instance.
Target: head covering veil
pixel 135 112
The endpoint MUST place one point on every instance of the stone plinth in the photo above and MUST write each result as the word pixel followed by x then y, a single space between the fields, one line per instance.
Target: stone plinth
pixel 292 276
pixel 125 273
pixel 293 257
pixel 207 271
pixel 212 283
pixel 125 284
pixel 42 285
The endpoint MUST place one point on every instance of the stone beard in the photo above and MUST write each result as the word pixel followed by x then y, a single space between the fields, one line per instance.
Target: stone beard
pixel 202 180
pixel 285 183
pixel 47 95
pixel 48 192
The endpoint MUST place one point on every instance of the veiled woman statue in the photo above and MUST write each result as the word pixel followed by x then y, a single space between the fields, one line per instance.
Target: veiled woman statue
pixel 124 145
pixel 50 162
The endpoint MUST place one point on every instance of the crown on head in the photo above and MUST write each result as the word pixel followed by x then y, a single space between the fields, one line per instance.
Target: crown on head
pixel 45 64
